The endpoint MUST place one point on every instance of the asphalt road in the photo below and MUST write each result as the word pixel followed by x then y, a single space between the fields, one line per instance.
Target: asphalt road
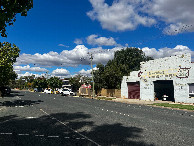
pixel 38 119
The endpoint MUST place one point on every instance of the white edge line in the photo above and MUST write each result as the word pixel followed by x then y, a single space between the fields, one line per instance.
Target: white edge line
pixel 71 128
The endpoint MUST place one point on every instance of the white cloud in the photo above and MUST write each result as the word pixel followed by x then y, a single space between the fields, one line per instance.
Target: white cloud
pixel 60 72
pixel 29 74
pixel 78 41
pixel 78 55
pixel 166 52
pixel 125 15
pixel 101 41
pixel 28 68
pixel 62 45
pixel 120 16
pixel 86 72
pixel 177 13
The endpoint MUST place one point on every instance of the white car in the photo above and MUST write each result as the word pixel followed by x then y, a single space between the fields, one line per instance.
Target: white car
pixel 65 92
pixel 60 90
pixel 48 91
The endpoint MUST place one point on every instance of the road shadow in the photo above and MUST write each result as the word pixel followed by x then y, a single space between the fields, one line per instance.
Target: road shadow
pixel 66 129
pixel 13 94
pixel 19 103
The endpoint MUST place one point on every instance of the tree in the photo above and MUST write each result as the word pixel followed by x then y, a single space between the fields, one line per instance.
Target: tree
pixel 54 82
pixel 125 61
pixel 99 77
pixel 8 11
pixel 8 55
pixel 40 82
pixel 75 82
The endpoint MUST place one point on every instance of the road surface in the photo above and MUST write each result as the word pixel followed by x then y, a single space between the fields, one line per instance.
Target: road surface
pixel 35 119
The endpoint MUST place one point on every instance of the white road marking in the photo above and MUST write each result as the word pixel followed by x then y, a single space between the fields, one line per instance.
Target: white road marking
pixel 30 117
pixel 6 133
pixel 54 136
pixel 39 135
pixel 67 137
pixel 72 129
pixel 23 134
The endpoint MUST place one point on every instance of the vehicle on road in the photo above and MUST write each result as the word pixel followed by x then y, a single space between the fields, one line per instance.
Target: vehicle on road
pixel 38 90
pixel 71 93
pixel 48 91
pixel 65 92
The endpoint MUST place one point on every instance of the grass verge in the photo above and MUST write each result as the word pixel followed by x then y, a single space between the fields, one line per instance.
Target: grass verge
pixel 104 98
pixel 179 106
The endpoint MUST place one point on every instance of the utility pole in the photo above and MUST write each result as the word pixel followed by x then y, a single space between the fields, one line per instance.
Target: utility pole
pixel 92 75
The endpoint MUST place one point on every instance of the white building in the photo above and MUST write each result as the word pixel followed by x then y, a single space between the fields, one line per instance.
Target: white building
pixel 171 77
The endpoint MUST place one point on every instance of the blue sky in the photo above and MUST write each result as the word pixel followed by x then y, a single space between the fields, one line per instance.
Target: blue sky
pixel 55 37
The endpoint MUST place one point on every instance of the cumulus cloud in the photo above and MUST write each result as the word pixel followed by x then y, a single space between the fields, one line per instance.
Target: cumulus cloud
pixel 177 13
pixel 60 72
pixel 101 41
pixel 62 45
pixel 79 55
pixel 121 15
pixel 28 68
pixel 166 52
pixel 29 74
pixel 78 41
pixel 128 14
pixel 86 72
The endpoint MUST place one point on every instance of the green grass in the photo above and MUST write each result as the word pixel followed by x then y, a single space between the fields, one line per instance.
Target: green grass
pixel 179 106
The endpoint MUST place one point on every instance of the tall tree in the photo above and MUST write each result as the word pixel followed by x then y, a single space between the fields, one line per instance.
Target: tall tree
pixel 40 82
pixel 75 82
pixel 8 55
pixel 125 61
pixel 54 82
pixel 8 11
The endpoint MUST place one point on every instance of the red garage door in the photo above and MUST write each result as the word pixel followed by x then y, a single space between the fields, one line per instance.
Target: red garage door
pixel 134 90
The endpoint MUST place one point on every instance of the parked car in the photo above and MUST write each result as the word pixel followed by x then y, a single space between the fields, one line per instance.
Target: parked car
pixel 71 93
pixel 65 92
pixel 5 90
pixel 60 90
pixel 48 91
pixel 38 90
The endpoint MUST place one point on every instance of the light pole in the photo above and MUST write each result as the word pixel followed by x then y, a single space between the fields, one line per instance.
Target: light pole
pixel 91 58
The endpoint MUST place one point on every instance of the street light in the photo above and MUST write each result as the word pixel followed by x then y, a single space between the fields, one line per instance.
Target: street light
pixel 91 58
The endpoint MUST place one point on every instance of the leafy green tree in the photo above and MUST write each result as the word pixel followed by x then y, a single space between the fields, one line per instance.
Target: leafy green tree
pixel 8 11
pixel 99 77
pixel 129 59
pixel 40 82
pixel 75 82
pixel 125 61
pixel 54 82
pixel 8 55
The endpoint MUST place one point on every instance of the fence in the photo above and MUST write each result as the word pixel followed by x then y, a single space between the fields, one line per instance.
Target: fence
pixel 110 92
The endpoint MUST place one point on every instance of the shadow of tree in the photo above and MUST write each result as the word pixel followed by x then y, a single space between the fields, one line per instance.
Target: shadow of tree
pixel 13 94
pixel 19 103
pixel 66 129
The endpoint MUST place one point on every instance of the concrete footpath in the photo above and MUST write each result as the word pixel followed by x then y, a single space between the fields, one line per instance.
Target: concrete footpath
pixel 137 101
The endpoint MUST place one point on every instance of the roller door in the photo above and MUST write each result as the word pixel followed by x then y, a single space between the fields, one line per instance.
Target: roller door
pixel 134 90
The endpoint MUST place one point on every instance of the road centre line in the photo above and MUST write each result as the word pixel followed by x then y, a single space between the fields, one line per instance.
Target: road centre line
pixel 70 128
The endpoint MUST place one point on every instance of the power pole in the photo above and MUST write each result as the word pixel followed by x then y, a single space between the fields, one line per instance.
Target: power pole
pixel 92 75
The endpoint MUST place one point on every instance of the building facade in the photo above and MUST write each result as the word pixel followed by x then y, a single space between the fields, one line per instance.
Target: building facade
pixel 169 78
